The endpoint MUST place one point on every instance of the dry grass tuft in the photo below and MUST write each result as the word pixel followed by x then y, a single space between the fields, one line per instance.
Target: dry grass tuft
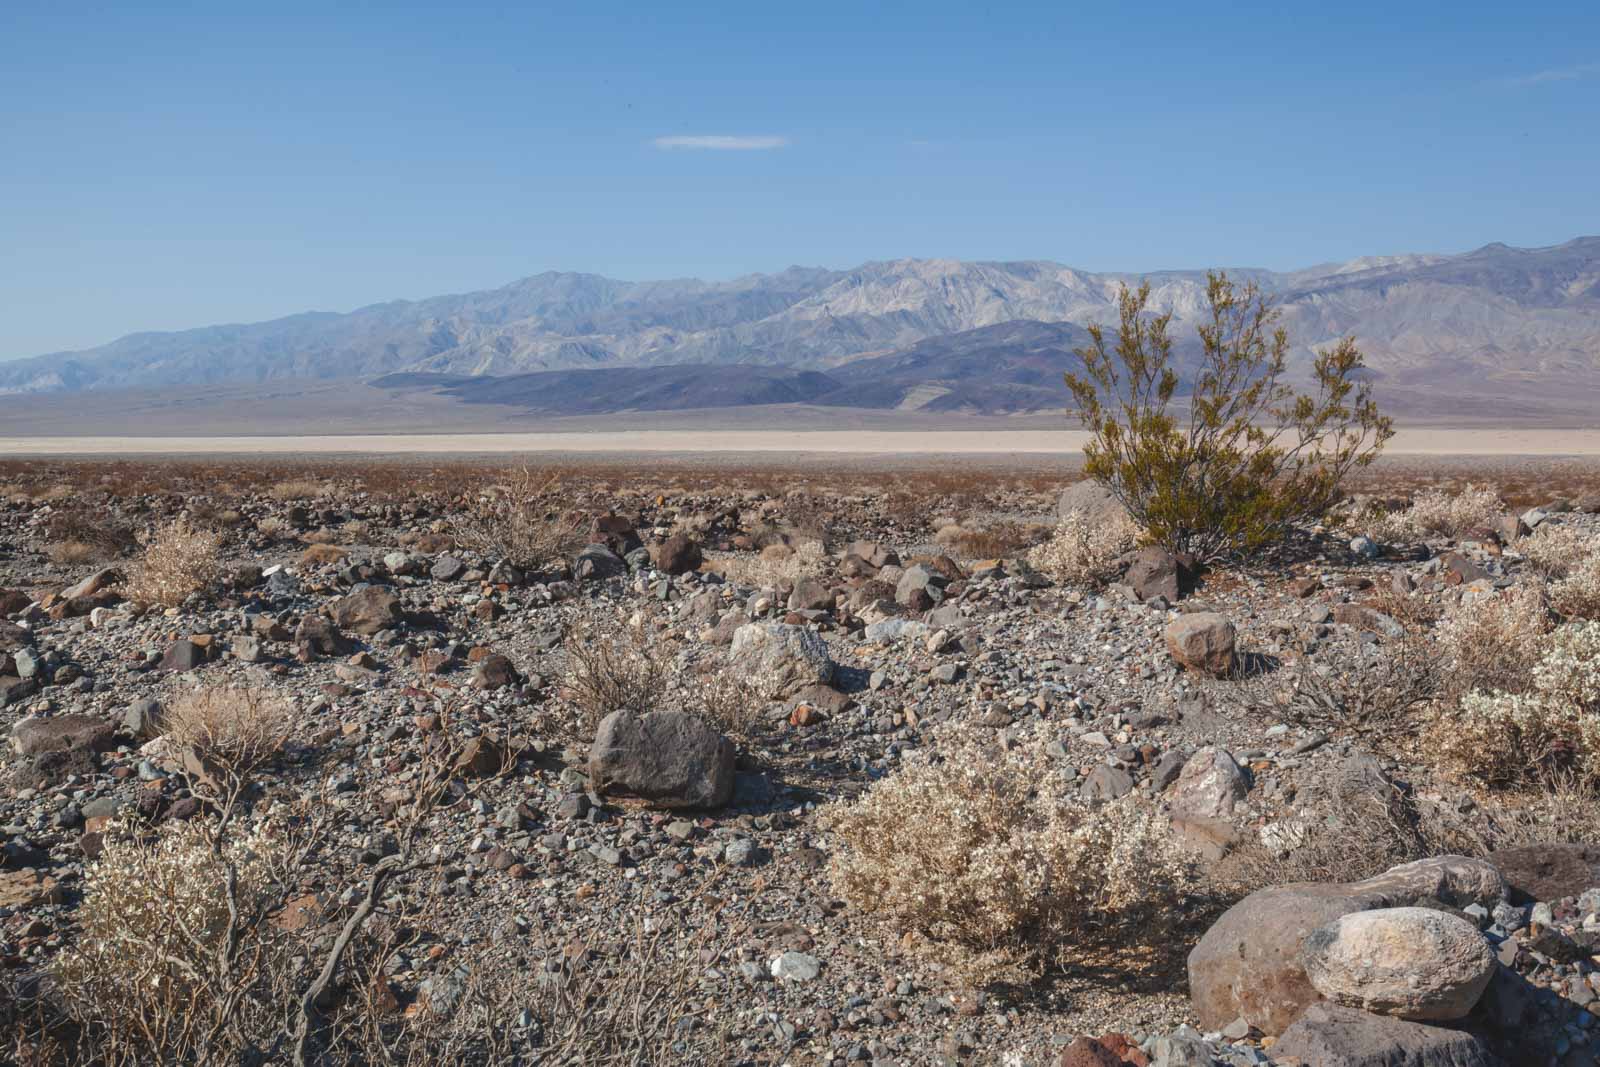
pixel 178 562
pixel 73 553
pixel 296 489
pixel 774 567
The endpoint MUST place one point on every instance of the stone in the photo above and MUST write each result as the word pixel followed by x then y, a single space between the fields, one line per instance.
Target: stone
pixel 1203 641
pixel 494 672
pixel 37 735
pixel 369 610
pixel 811 594
pixel 1087 1052
pixel 796 967
pixel 1209 785
pixel 1361 617
pixel 447 569
pixel 1091 500
pixel 1550 872
pixel 1329 1035
pixel 667 758
pixel 1248 964
pixel 1153 573
pixel 247 649
pixel 597 563
pixel 99 580
pixel 778 659
pixel 182 655
pixel 678 554
pixel 322 637
pixel 480 757
pixel 919 588
pixel 1106 782
pixel 1412 963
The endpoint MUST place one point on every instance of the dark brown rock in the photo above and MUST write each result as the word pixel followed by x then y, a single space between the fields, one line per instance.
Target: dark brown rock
pixel 1153 573
pixel 678 554
pixel 494 672
pixel 1548 872
pixel 668 758
pixel 369 610
pixel 1202 641
pixel 1331 1036
pixel 1087 1052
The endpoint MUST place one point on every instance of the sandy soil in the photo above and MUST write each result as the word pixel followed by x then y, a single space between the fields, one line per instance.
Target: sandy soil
pixel 1420 441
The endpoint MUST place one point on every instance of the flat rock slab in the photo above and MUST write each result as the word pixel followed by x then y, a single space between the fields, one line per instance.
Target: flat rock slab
pixel 668 758
pixel 1548 872
pixel 1328 1035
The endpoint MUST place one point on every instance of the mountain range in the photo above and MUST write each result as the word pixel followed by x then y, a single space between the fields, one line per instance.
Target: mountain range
pixel 1518 327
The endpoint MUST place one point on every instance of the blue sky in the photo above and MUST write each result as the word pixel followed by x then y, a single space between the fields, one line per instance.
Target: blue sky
pixel 166 166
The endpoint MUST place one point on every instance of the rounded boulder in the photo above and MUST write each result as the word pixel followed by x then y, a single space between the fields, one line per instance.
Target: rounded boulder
pixel 1411 963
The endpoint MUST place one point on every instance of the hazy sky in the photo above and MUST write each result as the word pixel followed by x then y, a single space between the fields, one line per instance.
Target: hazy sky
pixel 166 166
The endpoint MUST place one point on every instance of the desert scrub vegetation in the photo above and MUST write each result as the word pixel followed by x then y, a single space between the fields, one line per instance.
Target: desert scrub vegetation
pixel 1503 738
pixel 612 666
pixel 776 566
pixel 230 731
pixel 996 541
pixel 294 489
pixel 1255 458
pixel 1493 641
pixel 1020 879
pixel 1082 551
pixel 518 521
pixel 1436 513
pixel 178 562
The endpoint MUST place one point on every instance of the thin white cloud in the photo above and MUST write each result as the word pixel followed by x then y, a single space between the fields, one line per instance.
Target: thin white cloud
pixel 722 143
pixel 1555 74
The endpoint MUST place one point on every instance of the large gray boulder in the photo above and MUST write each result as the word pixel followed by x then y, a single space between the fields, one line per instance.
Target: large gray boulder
pixel 668 758
pixel 1202 641
pixel 1413 963
pixel 1328 1035
pixel 1249 963
pixel 778 659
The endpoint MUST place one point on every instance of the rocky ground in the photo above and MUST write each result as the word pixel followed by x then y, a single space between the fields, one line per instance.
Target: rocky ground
pixel 411 658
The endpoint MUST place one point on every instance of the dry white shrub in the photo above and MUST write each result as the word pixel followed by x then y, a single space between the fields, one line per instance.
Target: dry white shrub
pixel 1493 642
pixel 148 977
pixel 774 566
pixel 178 562
pixel 1577 596
pixel 1555 550
pixel 1505 738
pixel 1436 513
pixel 234 729
pixel 1083 551
pixel 985 854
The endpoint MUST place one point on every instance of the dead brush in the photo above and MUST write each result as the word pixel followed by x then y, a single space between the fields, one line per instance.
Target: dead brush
pixel 232 730
pixel 104 537
pixel 725 701
pixel 1004 540
pixel 1376 691
pixel 519 521
pixel 612 667
pixel 178 562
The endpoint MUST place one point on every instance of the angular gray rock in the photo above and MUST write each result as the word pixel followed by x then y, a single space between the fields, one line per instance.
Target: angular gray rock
pixel 668 758
pixel 919 588
pixel 1153 573
pixel 597 562
pixel 36 735
pixel 1412 963
pixel 1203 641
pixel 1328 1035
pixel 778 659
pixel 1248 964
pixel 1209 785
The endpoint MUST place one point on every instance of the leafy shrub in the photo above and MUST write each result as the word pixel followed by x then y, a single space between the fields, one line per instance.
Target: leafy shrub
pixel 1255 457
pixel 1004 873
pixel 1437 513
pixel 1084 552
pixel 178 562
